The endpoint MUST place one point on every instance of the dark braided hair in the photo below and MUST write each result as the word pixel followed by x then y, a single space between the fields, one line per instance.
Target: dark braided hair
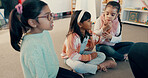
pixel 117 6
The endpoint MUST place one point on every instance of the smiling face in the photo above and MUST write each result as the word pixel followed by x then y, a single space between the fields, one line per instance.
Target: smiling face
pixel 110 13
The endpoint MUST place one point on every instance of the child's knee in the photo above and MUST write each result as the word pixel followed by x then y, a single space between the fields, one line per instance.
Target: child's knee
pixel 104 48
pixel 102 55
pixel 79 68
pixel 107 50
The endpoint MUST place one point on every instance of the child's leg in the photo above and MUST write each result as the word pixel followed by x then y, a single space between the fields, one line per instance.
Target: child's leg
pixel 101 57
pixel 64 73
pixel 81 67
pixel 109 52
pixel 123 47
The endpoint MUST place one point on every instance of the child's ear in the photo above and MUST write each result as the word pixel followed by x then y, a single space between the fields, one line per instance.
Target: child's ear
pixel 32 22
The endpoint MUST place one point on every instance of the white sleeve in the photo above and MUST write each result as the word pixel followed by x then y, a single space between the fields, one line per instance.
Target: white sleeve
pixel 97 29
pixel 116 39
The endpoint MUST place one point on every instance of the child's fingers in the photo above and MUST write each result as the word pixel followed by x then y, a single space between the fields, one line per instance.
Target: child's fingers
pixel 107 33
pixel 104 36
pixel 105 22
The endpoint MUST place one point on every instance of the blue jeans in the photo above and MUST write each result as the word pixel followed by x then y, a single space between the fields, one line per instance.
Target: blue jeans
pixel 117 51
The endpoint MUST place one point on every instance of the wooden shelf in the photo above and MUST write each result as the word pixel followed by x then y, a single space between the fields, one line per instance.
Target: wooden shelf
pixel 135 23
pixel 73 4
pixel 126 9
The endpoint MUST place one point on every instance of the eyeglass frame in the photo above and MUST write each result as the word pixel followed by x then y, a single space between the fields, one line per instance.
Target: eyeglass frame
pixel 49 14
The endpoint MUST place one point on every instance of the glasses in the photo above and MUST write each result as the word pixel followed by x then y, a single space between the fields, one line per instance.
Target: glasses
pixel 48 16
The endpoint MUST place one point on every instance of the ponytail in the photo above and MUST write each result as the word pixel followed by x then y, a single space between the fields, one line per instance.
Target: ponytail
pixel 18 20
pixel 120 25
pixel 16 30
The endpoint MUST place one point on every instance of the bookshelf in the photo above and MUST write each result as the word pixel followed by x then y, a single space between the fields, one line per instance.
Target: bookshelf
pixel 135 8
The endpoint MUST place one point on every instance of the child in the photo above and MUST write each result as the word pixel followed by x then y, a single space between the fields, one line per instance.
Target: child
pixel 77 50
pixel 109 27
pixel 29 23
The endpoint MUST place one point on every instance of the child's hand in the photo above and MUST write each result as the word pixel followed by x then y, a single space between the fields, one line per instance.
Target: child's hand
pixel 94 55
pixel 107 25
pixel 107 36
pixel 89 49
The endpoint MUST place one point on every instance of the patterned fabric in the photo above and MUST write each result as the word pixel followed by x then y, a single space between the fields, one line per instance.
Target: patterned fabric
pixel 72 46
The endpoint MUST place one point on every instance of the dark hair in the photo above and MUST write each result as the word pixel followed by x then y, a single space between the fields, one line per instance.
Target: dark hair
pixel 74 28
pixel 18 23
pixel 117 6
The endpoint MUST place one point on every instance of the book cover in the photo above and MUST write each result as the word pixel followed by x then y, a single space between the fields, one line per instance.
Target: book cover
pixel 133 16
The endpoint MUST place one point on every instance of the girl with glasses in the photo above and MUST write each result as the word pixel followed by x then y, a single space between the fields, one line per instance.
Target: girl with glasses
pixel 28 24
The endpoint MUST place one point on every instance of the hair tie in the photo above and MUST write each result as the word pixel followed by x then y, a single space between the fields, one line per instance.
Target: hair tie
pixel 80 16
pixel 19 8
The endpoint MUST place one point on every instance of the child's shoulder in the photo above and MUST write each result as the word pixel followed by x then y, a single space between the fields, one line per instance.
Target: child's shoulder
pixel 73 37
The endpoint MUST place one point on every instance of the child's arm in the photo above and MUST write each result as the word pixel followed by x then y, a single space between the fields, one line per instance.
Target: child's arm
pixel 72 49
pixel 106 26
pixel 111 38
pixel 93 40
pixel 97 29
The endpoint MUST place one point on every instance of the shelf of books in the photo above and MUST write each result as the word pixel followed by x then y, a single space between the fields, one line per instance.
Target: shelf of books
pixel 136 10
pixel 134 16
pixel 142 24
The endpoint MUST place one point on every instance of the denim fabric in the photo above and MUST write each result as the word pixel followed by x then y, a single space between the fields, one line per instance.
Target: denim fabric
pixel 117 51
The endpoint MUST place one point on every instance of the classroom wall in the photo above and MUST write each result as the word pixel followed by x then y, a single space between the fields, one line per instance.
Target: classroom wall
pixel 92 6
pixel 98 8
pixel 58 6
